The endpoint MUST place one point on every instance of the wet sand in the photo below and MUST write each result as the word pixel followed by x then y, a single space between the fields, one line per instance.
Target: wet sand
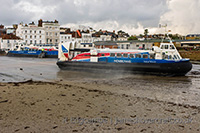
pixel 68 101
pixel 69 106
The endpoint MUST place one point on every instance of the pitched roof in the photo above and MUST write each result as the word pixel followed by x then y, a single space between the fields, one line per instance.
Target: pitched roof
pixel 76 35
pixel 10 36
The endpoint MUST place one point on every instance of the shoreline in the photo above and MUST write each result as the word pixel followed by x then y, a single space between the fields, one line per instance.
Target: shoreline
pixel 85 107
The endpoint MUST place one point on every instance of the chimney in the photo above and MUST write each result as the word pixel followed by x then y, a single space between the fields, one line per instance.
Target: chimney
pixel 1 26
pixel 40 23
pixel 68 30
pixel 32 23
pixel 56 21
pixel 15 26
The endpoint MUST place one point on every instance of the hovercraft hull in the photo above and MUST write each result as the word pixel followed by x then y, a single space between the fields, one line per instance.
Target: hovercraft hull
pixel 175 69
pixel 37 54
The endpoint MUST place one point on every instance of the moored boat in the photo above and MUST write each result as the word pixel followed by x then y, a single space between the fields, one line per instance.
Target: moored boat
pixel 40 51
pixel 163 60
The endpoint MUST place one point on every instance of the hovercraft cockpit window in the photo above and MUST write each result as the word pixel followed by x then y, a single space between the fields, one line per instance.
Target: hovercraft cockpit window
pixel 175 57
pixel 172 47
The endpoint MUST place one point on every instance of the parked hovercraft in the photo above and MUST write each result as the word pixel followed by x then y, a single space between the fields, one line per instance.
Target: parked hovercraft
pixel 41 51
pixel 159 60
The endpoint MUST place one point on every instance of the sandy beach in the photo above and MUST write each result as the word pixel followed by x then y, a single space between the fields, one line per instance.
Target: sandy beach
pixel 68 106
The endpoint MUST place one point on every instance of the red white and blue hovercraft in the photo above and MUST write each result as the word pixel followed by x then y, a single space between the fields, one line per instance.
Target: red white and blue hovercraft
pixel 160 60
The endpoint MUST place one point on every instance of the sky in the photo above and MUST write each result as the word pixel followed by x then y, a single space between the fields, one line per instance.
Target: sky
pixel 132 16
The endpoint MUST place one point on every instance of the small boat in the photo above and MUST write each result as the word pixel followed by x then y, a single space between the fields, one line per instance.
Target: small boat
pixel 163 60
pixel 40 51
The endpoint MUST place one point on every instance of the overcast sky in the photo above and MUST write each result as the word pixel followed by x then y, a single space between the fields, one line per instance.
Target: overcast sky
pixel 132 16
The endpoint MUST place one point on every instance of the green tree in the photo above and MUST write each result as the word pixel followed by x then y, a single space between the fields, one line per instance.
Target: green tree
pixel 141 35
pixel 146 31
pixel 132 38
pixel 176 36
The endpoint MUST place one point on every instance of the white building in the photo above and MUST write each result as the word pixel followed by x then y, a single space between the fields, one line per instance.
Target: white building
pixel 9 42
pixel 105 38
pixel 86 38
pixel 44 33
pixel 134 45
pixel 121 38
pixel 31 34
pixel 102 38
pixel 65 37
pixel 52 32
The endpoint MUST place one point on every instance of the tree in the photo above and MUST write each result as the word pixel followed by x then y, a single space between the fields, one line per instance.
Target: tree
pixel 176 36
pixel 146 31
pixel 132 38
pixel 141 35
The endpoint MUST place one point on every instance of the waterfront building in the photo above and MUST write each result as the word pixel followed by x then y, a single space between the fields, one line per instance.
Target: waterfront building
pixel 193 37
pixel 46 32
pixel 52 31
pixel 125 44
pixel 190 44
pixel 122 38
pixel 12 30
pixel 87 40
pixel 65 37
pixel 2 30
pixel 31 34
pixel 9 41
pixel 86 37
pixel 101 37
pixel 82 39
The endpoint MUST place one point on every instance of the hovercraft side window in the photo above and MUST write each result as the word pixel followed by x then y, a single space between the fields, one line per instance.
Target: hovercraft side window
pixel 145 56
pixel 166 57
pixel 131 55
pixel 138 56
pixel 125 55
pixel 119 55
pixel 170 57
pixel 152 56
pixel 112 54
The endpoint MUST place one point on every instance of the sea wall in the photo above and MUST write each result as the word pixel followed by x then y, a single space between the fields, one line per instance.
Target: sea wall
pixel 2 53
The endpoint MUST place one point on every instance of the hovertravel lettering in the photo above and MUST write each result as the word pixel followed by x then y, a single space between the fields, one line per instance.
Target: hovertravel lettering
pixel 31 52
pixel 122 61
pixel 149 61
